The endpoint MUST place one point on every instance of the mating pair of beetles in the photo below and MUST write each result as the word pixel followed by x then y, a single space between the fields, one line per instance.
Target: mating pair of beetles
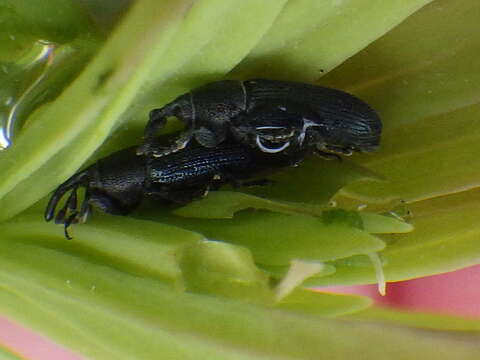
pixel 235 132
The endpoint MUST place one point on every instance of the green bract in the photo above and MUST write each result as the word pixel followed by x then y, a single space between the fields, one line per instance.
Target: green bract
pixel 225 277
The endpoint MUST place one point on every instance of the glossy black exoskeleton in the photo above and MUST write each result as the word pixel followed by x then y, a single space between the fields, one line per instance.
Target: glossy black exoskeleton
pixel 250 111
pixel 118 183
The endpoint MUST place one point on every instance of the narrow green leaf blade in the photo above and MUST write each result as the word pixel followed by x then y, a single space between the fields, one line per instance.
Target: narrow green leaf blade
pixel 275 239
pixel 140 247
pixel 316 303
pixel 417 319
pixel 179 326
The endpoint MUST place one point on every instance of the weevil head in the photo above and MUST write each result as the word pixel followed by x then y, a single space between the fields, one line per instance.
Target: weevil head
pixel 345 124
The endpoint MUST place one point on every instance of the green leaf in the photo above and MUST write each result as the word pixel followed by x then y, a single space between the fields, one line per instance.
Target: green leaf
pixel 131 317
pixel 275 239
pixel 115 291
pixel 224 205
pixel 445 239
pixel 222 269
pixel 378 224
pixel 104 239
pixel 316 303
pixel 312 37
pixel 279 272
pixel 416 319
pixel 394 74
pixel 55 20
pixel 298 272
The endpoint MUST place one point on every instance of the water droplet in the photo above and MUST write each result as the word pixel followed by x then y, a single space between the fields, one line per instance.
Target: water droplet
pixel 4 142
pixel 21 88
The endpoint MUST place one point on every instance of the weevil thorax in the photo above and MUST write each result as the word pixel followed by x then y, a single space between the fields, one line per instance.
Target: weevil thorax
pixel 216 103
pixel 120 176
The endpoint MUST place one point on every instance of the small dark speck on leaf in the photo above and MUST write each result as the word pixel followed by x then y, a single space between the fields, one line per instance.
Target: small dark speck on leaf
pixel 102 79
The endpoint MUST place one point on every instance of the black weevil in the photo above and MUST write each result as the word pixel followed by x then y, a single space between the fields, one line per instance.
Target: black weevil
pixel 329 120
pixel 118 183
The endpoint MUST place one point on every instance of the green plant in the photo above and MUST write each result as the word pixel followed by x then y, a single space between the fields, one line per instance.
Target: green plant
pixel 152 285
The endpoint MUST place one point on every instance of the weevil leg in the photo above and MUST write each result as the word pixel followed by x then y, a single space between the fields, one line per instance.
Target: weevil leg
pixel 68 222
pixel 75 181
pixel 338 150
pixel 178 144
pixel 210 138
pixel 84 209
pixel 70 205
pixel 72 200
pixel 60 217
pixel 157 120
pixel 328 156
